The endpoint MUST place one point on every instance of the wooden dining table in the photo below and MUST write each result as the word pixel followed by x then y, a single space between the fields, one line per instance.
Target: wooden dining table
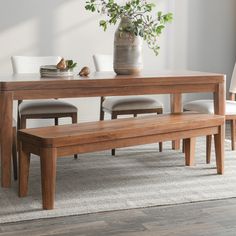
pixel 31 86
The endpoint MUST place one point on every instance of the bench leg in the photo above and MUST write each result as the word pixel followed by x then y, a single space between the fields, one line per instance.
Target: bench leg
pixel 208 148
pixel 48 157
pixel 219 150
pixel 24 163
pixel 189 148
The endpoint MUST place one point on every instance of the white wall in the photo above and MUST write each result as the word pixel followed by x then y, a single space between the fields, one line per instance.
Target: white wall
pixel 204 34
pixel 202 37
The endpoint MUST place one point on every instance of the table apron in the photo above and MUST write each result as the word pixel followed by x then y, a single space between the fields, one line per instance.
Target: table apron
pixel 111 91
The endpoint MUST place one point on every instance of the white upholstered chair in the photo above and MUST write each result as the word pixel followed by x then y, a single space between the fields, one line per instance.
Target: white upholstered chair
pixel 45 108
pixel 124 105
pixel 207 106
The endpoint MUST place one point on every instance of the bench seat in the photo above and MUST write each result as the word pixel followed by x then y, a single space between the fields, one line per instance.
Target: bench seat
pixel 91 133
pixel 52 142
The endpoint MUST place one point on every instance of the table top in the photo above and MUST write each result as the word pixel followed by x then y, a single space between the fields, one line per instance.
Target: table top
pixel 101 79
pixel 108 75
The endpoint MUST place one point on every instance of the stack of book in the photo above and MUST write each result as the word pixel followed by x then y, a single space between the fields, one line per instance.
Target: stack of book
pixel 53 71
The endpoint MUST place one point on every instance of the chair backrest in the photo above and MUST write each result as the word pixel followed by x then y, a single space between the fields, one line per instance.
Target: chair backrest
pixel 26 64
pixel 103 62
pixel 232 88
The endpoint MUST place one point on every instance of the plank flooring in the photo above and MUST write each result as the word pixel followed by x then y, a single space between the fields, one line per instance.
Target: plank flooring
pixel 196 219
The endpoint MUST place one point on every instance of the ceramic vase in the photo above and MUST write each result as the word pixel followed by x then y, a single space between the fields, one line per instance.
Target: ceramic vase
pixel 127 50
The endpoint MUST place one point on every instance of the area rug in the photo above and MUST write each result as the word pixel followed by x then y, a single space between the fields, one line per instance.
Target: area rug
pixel 137 177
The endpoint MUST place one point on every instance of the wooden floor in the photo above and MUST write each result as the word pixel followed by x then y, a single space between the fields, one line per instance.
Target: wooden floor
pixel 210 218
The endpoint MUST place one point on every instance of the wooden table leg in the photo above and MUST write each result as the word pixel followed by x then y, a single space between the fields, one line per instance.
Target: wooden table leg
pixel 176 106
pixel 220 99
pixel 233 129
pixel 6 106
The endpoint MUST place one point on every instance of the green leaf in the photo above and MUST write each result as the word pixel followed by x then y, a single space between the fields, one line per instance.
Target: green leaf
pixel 74 65
pixel 70 64
pixel 103 24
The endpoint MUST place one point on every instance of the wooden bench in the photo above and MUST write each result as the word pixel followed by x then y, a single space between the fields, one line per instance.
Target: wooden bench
pixel 52 142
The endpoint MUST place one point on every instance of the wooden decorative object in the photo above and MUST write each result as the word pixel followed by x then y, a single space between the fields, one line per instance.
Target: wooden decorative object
pixel 85 71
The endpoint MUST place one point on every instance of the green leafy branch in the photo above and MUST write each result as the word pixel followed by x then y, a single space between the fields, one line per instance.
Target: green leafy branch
pixel 70 64
pixel 144 23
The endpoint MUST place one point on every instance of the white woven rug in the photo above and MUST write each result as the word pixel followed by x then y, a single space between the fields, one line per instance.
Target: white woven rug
pixel 137 177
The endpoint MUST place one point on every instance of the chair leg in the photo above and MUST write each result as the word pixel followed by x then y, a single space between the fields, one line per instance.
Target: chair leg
pixel 160 147
pixel 233 133
pixel 102 113
pixel 22 122
pixel 189 151
pixel 160 144
pixel 14 153
pixel 113 116
pixel 183 146
pixel 113 152
pixel 74 118
pixel 24 163
pixel 56 121
pixel 208 148
pixel 18 114
pixel 48 158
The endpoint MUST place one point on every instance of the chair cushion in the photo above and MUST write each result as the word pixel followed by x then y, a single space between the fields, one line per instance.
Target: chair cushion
pixel 130 103
pixel 206 106
pixel 49 106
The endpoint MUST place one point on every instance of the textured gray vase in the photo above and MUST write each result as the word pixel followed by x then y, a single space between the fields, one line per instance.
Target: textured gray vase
pixel 127 51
